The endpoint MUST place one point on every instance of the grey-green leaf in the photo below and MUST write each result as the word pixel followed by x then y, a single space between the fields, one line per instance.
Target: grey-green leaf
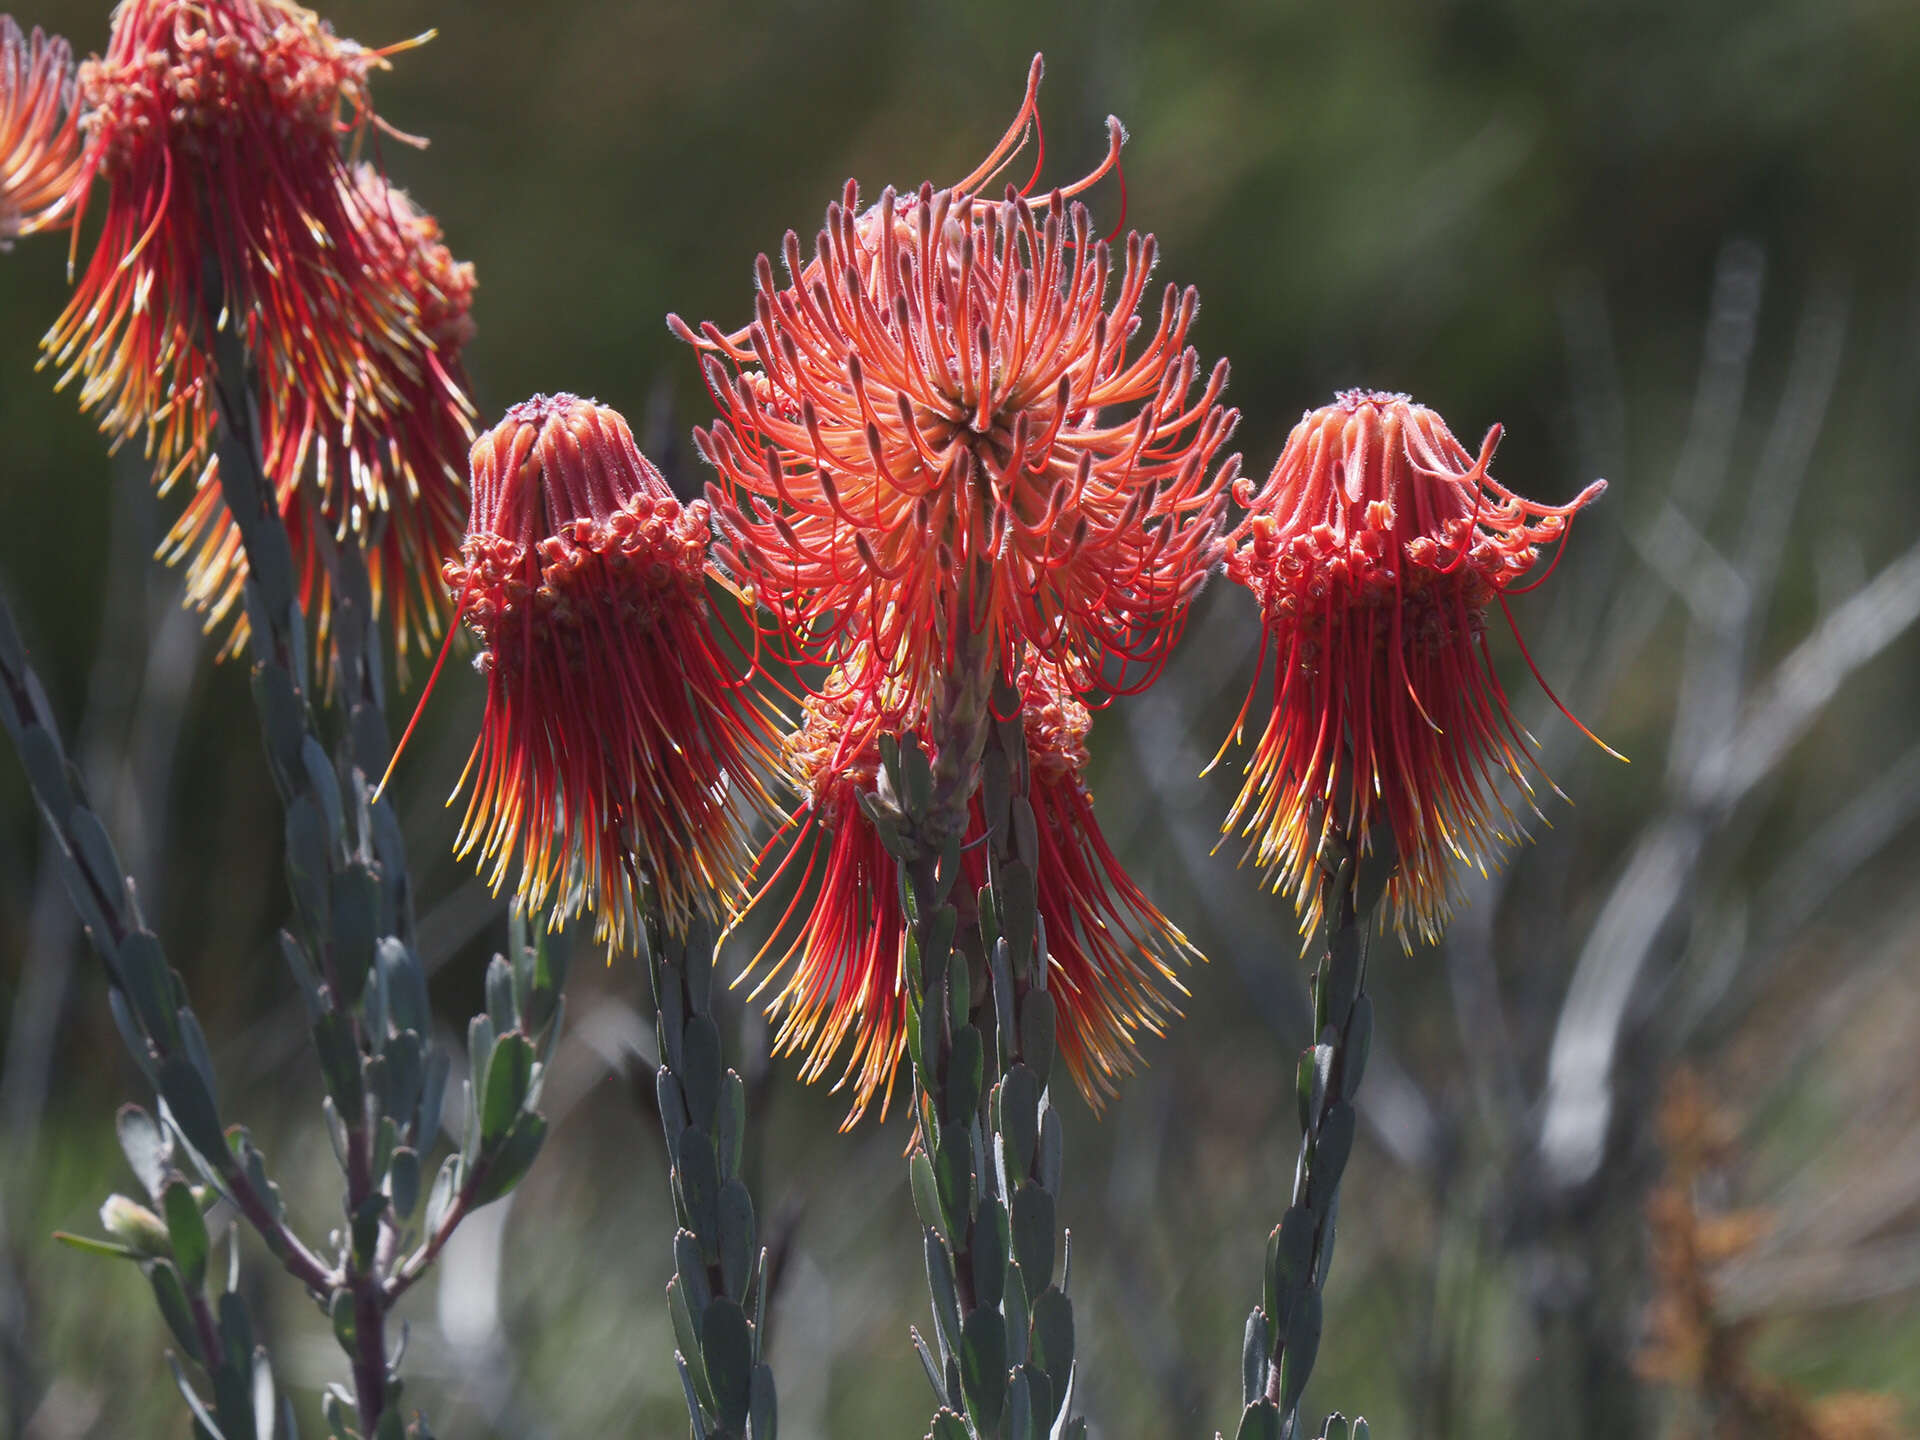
pixel 763 1415
pixel 509 1164
pixel 727 1348
pixel 1254 1350
pixel 983 1367
pixel 1051 1346
pixel 1038 1016
pixel 697 1178
pixel 702 1070
pixel 174 1308
pixel 192 1108
pixel 509 1073
pixel 1303 1343
pixel 1033 1236
pixel 946 1301
pixel 926 1196
pixel 187 1228
pixel 990 1253
pixel 737 1236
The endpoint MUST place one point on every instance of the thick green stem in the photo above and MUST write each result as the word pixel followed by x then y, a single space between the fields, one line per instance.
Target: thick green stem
pixel 981 1031
pixel 1283 1332
pixel 718 1295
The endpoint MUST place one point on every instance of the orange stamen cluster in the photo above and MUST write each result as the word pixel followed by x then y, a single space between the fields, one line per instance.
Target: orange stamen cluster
pixel 1375 549
pixel 618 742
pixel 944 389
pixel 389 475
pixel 841 975
pixel 39 131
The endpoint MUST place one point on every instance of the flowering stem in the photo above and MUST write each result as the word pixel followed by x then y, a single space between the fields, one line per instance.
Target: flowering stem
pixel 718 1295
pixel 985 1170
pixel 1283 1332
pixel 164 1038
pixel 351 948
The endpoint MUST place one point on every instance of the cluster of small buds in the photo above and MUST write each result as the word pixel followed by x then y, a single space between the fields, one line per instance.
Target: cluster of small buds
pixel 647 555
pixel 1057 723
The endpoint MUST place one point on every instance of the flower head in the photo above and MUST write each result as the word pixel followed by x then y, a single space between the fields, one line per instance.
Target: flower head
pixel 949 387
pixel 618 742
pixel 387 472
pixel 39 131
pixel 215 125
pixel 1375 549
pixel 841 975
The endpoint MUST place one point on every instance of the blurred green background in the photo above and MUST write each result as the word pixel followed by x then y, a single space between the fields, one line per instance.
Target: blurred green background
pixel 1671 244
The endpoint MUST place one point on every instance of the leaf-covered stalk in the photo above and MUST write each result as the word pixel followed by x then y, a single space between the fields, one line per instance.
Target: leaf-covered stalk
pixel 170 1241
pixel 980 1033
pixel 718 1294
pixel 1283 1331
pixel 351 950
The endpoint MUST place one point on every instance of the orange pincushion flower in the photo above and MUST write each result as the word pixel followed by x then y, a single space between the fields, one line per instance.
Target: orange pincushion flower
pixel 389 470
pixel 1375 549
pixel 39 131
pixel 215 125
pixel 841 977
pixel 944 390
pixel 618 742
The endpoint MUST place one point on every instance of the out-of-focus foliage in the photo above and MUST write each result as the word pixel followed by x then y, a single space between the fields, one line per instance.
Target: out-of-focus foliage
pixel 1670 244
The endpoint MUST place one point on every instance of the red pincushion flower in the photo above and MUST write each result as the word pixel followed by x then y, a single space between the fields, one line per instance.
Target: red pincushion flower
pixel 618 743
pixel 1110 953
pixel 1375 549
pixel 945 391
pixel 39 131
pixel 215 125
pixel 389 470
